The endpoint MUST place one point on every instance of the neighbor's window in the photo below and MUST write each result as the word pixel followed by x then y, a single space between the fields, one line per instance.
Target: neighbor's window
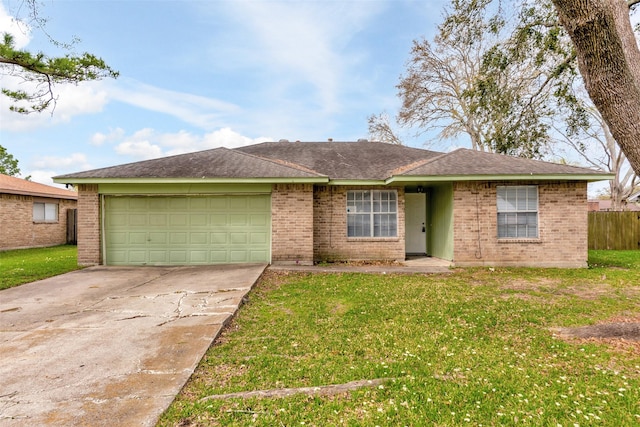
pixel 45 212
pixel 517 211
pixel 372 213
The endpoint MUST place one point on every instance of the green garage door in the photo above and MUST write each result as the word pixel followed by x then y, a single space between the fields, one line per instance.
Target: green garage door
pixel 187 230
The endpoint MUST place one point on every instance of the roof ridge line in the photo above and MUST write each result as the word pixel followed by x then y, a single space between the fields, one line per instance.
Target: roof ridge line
pixel 420 163
pixel 279 162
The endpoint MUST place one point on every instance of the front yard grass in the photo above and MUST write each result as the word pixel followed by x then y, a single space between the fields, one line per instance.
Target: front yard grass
pixel 27 265
pixel 475 347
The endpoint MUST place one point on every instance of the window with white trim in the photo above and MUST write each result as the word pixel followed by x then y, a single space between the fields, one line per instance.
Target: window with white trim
pixel 372 213
pixel 517 211
pixel 45 212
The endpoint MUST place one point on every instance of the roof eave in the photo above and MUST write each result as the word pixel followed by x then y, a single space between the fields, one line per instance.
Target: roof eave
pixel 40 194
pixel 346 182
pixel 278 180
pixel 506 177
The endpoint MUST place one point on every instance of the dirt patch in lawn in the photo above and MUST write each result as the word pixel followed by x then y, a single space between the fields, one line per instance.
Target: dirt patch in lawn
pixel 622 333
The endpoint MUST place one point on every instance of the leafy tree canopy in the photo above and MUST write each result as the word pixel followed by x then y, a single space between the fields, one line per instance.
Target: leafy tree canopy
pixel 500 76
pixel 45 71
pixel 8 163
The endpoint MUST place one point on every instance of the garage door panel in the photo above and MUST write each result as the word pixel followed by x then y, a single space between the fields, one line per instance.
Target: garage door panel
pixel 259 238
pixel 119 257
pixel 218 203
pixel 257 256
pixel 181 219
pixel 258 221
pixel 117 220
pixel 157 257
pixel 157 203
pixel 157 220
pixel 117 237
pixel 198 238
pixel 219 238
pixel 238 203
pixel 198 203
pixel 137 220
pixel 218 256
pixel 239 220
pixel 137 238
pixel 178 257
pixel 238 256
pixel 219 220
pixel 238 238
pixel 137 257
pixel 198 220
pixel 177 203
pixel 187 230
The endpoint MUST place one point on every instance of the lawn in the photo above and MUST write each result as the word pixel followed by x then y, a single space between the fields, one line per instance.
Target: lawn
pixel 475 347
pixel 27 265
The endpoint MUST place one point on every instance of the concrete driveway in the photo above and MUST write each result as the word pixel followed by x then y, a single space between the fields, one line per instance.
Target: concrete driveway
pixel 110 345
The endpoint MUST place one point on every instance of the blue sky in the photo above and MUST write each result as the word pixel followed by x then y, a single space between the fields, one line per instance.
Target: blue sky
pixel 203 74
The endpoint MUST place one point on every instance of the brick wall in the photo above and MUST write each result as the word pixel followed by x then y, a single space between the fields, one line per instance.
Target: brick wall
pixel 18 230
pixel 88 225
pixel 330 242
pixel 292 224
pixel 562 222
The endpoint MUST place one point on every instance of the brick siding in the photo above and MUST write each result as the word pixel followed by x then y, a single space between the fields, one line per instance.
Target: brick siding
pixel 330 241
pixel 18 230
pixel 292 224
pixel 88 225
pixel 562 227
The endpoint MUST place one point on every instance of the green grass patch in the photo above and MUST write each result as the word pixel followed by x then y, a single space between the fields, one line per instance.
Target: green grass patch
pixel 27 265
pixel 622 259
pixel 475 347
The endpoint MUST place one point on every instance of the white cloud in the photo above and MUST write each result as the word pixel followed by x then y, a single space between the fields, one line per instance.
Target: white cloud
pixel 139 149
pixel 100 138
pixel 71 100
pixel 73 161
pixel 43 168
pixel 20 31
pixel 147 143
pixel 139 145
pixel 200 111
pixel 297 46
pixel 44 177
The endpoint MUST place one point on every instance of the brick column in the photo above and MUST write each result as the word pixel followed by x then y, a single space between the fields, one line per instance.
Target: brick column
pixel 88 225
pixel 292 224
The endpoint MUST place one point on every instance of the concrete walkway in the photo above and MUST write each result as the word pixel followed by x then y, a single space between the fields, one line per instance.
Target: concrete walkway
pixel 110 346
pixel 414 265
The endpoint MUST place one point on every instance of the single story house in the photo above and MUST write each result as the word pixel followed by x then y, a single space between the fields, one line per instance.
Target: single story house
pixel 306 202
pixel 33 214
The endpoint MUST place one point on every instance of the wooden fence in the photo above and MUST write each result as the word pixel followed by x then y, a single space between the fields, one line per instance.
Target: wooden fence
pixel 614 230
pixel 72 226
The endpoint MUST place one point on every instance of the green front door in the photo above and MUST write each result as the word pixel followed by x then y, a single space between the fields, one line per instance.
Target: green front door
pixel 188 230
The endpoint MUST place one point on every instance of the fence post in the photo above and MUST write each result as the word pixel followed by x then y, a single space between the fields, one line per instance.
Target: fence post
pixel 72 226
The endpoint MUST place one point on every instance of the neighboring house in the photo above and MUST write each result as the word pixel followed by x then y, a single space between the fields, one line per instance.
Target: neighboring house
pixel 605 205
pixel 305 202
pixel 32 214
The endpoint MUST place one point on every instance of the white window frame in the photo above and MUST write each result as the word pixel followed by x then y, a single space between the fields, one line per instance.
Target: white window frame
pixel 518 212
pixel 378 211
pixel 45 212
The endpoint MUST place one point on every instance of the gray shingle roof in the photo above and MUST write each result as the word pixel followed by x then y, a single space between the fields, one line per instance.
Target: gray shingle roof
pixel 470 162
pixel 215 163
pixel 360 160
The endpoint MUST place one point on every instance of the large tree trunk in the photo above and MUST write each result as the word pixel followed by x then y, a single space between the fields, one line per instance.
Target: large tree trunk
pixel 609 61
